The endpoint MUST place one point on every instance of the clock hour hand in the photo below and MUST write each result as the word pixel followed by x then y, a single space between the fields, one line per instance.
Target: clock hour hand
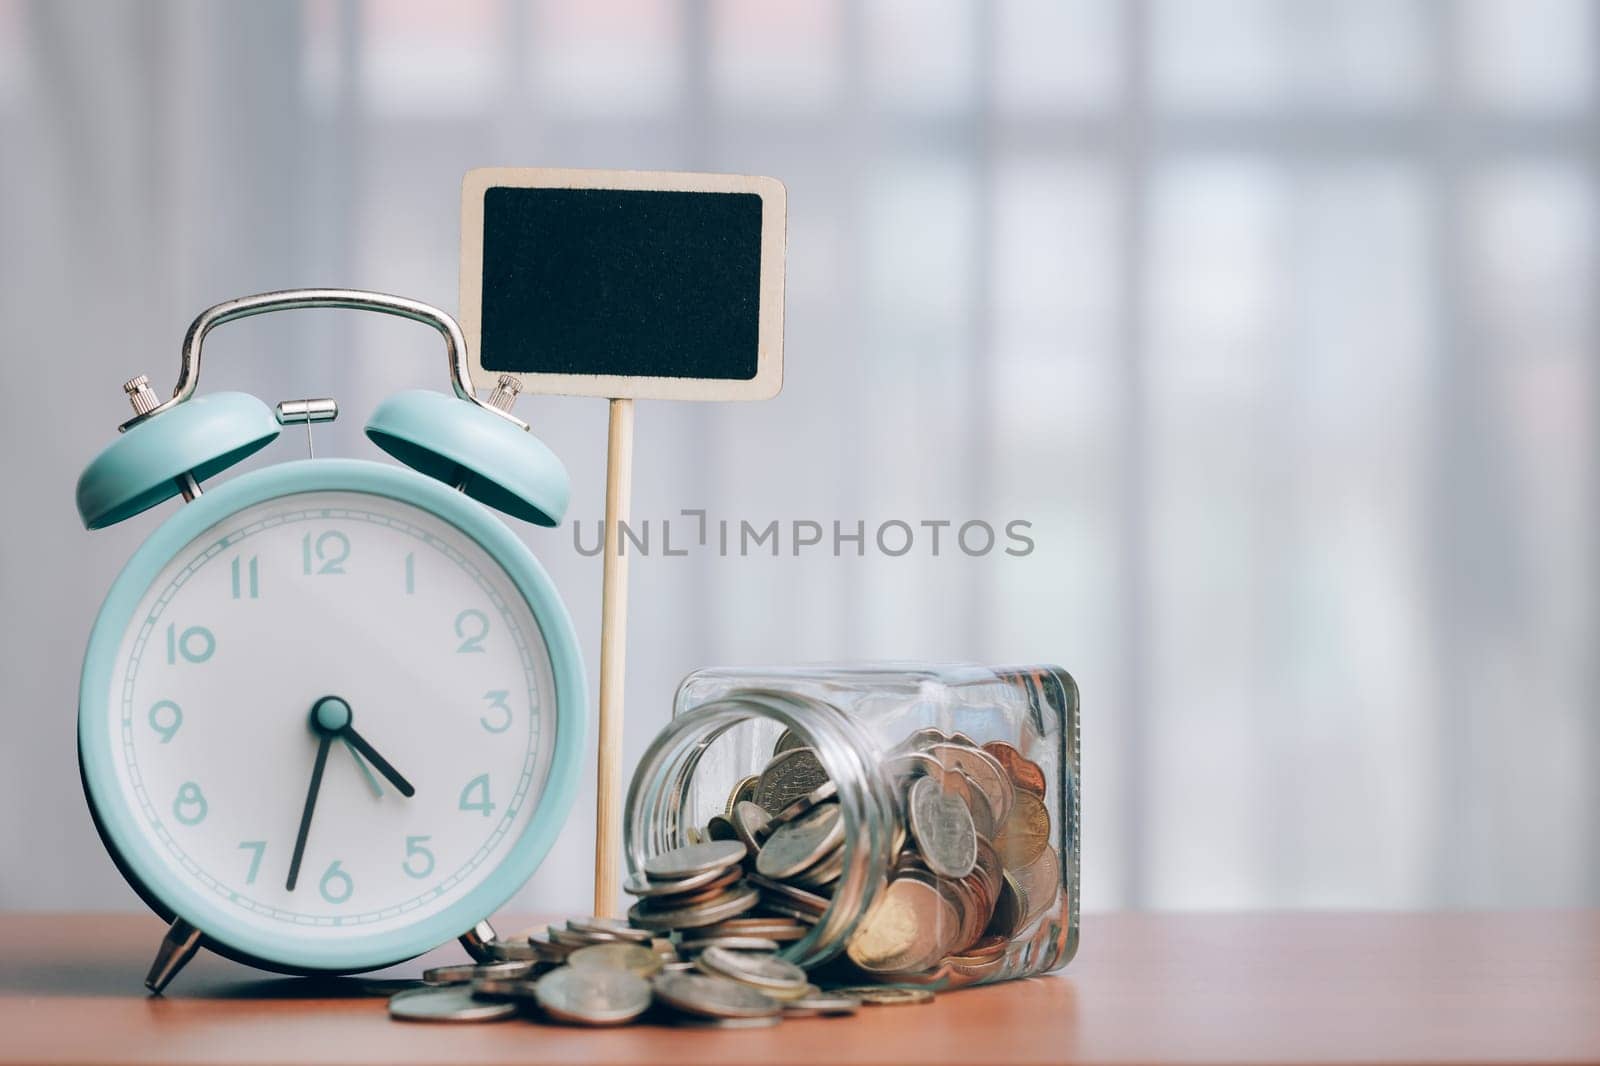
pixel 310 808
pixel 378 762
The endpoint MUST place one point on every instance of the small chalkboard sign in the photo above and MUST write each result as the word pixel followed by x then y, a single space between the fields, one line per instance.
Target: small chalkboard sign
pixel 628 285
pixel 634 284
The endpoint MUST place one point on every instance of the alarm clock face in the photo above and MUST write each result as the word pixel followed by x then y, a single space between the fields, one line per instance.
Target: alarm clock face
pixel 353 636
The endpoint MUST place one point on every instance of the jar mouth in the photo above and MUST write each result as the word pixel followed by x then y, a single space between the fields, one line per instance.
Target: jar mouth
pixel 658 805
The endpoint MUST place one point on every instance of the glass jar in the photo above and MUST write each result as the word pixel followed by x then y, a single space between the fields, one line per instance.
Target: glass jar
pixel 956 788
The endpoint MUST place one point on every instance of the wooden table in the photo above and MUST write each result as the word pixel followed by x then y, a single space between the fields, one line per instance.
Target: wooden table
pixel 1457 987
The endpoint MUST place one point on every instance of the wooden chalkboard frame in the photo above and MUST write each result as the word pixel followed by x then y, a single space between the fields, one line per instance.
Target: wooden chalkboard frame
pixel 768 379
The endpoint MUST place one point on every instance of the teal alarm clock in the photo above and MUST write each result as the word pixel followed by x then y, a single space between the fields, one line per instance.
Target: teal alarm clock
pixel 332 710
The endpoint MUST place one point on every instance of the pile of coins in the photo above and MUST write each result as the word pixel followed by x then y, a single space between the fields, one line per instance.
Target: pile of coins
pixel 974 869
pixel 975 865
pixel 602 972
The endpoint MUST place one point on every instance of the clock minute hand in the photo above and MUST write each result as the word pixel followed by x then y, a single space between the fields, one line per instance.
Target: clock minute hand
pixel 310 808
pixel 378 761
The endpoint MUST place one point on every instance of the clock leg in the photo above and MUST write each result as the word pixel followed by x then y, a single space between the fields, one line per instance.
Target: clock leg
pixel 182 940
pixel 477 940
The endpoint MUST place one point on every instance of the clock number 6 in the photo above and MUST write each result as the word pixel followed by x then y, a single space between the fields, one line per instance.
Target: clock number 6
pixel 415 850
pixel 336 885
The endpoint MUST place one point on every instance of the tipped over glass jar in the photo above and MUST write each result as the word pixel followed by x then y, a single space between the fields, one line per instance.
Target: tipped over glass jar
pixel 910 824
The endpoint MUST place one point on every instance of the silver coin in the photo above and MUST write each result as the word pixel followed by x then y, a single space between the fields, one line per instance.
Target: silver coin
pixel 788 777
pixel 751 822
pixel 646 888
pixel 732 943
pixel 788 742
pixel 694 859
pixel 502 988
pixel 573 939
pixel 635 958
pixel 511 951
pixel 777 890
pixel 821 794
pixel 448 1003
pixel 679 967
pixel 713 997
pixel 766 972
pixel 800 844
pixel 820 1003
pixel 729 904
pixel 609 927
pixel 468 972
pixel 824 873
pixel 941 824
pixel 787 910
pixel 593 995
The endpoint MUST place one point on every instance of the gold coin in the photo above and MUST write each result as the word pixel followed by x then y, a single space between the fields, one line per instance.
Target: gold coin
pixel 1041 882
pixel 1026 832
pixel 876 996
pixel 742 793
pixel 906 931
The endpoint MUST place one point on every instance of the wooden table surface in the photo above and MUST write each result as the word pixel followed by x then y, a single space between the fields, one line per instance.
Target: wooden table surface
pixel 1454 987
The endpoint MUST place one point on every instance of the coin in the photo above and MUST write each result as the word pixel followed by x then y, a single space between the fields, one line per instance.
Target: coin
pixel 742 793
pixel 1025 833
pixel 984 770
pixel 596 995
pixel 730 904
pixel 779 929
pixel 766 972
pixel 509 950
pixel 788 777
pixel 609 927
pixel 1040 881
pixel 817 1002
pixel 720 828
pixel 812 902
pixel 636 885
pixel 798 845
pixel 713 997
pixel 634 958
pixel 502 988
pixel 788 742
pixel 466 972
pixel 1025 774
pixel 694 859
pixel 941 824
pixel 880 996
pixel 1010 909
pixel 906 930
pixel 821 794
pixel 732 943
pixel 448 1003
pixel 824 873
pixel 750 823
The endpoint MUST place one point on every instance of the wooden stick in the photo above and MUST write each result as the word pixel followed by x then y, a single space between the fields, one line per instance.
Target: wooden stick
pixel 613 657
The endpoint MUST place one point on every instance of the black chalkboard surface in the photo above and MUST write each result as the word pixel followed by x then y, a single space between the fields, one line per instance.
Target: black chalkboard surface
pixel 625 283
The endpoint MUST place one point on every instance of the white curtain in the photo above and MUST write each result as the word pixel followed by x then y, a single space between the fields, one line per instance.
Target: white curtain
pixel 1275 319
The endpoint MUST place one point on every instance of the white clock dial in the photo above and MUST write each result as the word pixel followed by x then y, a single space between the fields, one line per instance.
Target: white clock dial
pixel 394 612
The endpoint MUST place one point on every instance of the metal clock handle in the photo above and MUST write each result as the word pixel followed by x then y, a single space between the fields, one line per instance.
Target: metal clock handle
pixel 300 299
